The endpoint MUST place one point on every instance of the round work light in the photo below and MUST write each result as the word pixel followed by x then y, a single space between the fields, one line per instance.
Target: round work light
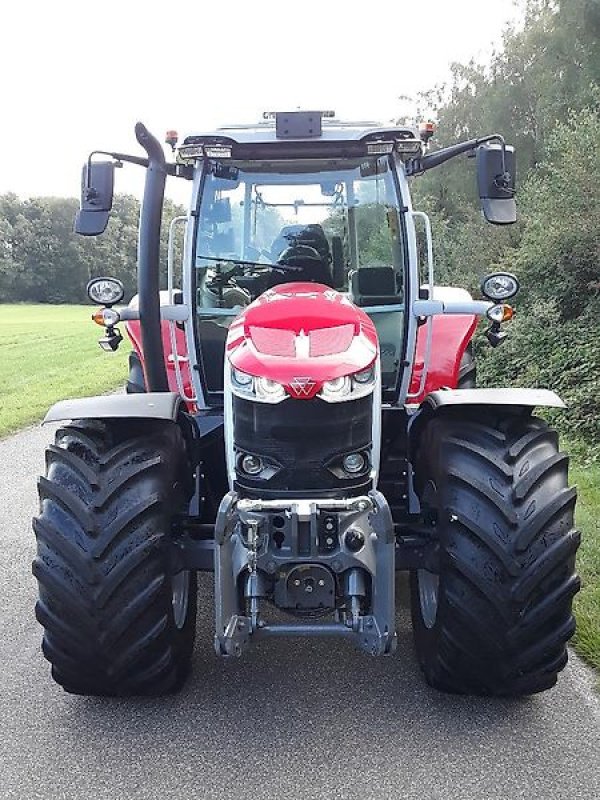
pixel 106 291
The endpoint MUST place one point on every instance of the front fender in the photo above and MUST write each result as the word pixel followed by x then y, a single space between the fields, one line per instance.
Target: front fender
pixel 527 398
pixel 150 405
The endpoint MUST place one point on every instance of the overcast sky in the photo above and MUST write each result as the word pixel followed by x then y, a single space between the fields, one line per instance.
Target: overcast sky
pixel 77 75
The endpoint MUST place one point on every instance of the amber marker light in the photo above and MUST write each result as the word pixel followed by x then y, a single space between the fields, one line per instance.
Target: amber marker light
pixel 500 313
pixel 106 317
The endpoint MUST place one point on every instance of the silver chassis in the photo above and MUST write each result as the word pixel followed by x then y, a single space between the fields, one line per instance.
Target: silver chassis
pixel 245 554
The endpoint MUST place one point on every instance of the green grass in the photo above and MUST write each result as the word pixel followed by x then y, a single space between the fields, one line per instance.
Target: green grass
pixel 49 353
pixel 587 602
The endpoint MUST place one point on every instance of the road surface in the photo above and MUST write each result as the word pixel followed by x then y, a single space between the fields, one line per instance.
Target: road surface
pixel 289 720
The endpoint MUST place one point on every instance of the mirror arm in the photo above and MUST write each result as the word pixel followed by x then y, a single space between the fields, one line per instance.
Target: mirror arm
pixel 171 168
pixel 416 166
pixel 142 162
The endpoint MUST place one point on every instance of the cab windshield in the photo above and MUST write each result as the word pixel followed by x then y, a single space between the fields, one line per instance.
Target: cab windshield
pixel 336 223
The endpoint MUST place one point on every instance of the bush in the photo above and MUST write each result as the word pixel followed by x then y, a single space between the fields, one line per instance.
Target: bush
pixel 564 357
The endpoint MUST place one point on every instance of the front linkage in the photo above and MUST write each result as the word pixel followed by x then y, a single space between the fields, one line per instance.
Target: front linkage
pixel 312 557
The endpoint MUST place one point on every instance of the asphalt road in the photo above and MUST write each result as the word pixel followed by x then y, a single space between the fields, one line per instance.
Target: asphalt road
pixel 290 720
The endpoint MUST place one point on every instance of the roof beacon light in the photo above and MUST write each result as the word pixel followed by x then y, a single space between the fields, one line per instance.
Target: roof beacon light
pixel 171 138
pixel 426 131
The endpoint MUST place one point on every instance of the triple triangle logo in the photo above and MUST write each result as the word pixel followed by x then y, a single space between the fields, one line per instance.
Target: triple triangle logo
pixel 302 387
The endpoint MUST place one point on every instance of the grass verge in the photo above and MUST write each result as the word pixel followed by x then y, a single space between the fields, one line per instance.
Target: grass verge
pixel 587 602
pixel 49 353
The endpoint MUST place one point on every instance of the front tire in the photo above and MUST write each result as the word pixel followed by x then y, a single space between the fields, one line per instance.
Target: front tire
pixel 496 618
pixel 117 619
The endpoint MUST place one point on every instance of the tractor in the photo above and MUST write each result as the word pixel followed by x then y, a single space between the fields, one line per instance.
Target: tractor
pixel 301 420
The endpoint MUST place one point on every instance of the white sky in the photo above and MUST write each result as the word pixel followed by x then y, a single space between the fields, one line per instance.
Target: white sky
pixel 77 75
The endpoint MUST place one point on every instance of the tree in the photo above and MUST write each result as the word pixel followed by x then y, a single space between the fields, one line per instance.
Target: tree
pixel 42 260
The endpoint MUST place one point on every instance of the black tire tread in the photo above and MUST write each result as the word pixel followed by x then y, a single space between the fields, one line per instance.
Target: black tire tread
pixel 106 506
pixel 507 579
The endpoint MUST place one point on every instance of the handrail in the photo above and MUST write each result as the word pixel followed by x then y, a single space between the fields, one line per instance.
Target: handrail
pixel 430 279
pixel 171 324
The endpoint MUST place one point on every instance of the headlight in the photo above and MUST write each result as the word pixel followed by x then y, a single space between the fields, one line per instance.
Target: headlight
pixel 350 387
pixel 251 465
pixel 364 377
pixel 263 390
pixel 268 390
pixel 354 463
pixel 241 379
pixel 336 390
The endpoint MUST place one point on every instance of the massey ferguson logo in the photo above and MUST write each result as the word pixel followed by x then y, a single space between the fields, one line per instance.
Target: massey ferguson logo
pixel 302 387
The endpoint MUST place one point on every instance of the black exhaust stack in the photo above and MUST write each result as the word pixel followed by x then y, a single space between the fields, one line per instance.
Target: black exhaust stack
pixel 148 261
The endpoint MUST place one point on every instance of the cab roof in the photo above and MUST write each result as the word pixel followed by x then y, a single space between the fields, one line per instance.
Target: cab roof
pixel 298 134
pixel 331 130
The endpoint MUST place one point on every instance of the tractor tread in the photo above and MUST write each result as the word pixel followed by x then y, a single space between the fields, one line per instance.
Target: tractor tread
pixel 106 505
pixel 508 541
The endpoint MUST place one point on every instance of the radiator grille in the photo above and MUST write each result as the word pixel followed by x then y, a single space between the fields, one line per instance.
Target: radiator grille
pixel 302 437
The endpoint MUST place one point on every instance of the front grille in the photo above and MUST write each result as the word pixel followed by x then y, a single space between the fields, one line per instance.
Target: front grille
pixel 302 438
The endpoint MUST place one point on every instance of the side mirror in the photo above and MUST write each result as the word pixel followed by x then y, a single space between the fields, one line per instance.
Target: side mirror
pixel 97 183
pixel 496 181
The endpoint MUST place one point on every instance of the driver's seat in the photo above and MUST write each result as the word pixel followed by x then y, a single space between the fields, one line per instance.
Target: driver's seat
pixel 304 249
pixel 311 234
pixel 299 262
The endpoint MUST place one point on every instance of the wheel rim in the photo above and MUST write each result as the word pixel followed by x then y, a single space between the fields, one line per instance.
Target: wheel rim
pixel 180 591
pixel 429 585
pixel 429 582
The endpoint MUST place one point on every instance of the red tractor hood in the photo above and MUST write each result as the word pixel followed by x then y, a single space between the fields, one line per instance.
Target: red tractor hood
pixel 301 335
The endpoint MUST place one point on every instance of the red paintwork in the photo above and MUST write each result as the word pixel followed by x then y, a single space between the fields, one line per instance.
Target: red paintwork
pixel 451 335
pixel 261 338
pixel 301 335
pixel 134 333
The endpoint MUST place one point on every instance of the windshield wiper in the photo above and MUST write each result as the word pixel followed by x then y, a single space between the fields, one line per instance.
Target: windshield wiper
pixel 241 262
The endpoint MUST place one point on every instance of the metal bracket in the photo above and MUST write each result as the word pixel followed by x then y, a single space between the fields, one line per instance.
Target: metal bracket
pixel 373 640
pixel 235 637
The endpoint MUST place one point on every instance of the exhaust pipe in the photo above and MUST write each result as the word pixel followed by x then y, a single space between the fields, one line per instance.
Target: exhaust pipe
pixel 148 261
